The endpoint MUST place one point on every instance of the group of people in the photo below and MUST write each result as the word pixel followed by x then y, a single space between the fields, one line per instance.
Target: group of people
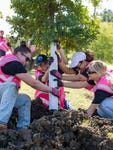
pixel 12 72
pixel 84 72
pixel 43 63
pixel 5 46
pixel 95 76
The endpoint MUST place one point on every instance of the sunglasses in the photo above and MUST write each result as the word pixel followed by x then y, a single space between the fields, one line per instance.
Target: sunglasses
pixel 26 58
pixel 80 62
pixel 77 67
pixel 91 72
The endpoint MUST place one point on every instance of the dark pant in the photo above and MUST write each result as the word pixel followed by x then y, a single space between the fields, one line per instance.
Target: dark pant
pixel 2 53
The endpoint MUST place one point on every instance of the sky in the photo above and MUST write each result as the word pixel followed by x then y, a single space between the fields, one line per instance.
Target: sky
pixel 6 11
pixel 108 4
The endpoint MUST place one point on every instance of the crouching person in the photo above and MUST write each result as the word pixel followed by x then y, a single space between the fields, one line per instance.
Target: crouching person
pixel 101 78
pixel 12 71
pixel 42 74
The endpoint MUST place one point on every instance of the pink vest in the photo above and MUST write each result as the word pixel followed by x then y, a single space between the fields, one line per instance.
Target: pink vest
pixel 103 84
pixel 3 44
pixel 45 96
pixel 8 78
pixel 90 88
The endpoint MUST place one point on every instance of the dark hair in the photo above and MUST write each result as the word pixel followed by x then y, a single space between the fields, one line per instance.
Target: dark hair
pixel 89 55
pixel 22 50
pixel 23 43
pixel 1 31
pixel 41 58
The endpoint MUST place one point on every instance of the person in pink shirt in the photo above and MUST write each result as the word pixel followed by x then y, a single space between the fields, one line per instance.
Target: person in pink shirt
pixel 4 44
pixel 101 77
pixel 42 74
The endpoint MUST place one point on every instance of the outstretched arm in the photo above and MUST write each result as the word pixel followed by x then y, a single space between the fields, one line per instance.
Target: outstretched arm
pixel 28 79
pixel 65 68
pixel 74 77
pixel 76 85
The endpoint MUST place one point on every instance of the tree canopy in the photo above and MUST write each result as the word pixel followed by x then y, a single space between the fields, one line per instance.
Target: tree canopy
pixel 107 15
pixel 0 14
pixel 45 20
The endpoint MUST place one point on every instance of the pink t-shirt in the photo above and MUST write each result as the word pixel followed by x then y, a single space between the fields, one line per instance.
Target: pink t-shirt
pixel 3 44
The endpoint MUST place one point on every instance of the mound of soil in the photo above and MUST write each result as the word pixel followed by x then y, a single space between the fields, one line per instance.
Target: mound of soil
pixel 60 130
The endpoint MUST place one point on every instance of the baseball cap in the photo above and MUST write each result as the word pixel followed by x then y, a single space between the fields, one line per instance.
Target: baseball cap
pixel 41 59
pixel 76 58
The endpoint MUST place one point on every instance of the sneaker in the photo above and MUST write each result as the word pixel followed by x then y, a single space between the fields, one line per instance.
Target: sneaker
pixel 3 126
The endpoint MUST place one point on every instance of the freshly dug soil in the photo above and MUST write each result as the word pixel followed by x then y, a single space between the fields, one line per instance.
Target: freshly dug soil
pixel 59 130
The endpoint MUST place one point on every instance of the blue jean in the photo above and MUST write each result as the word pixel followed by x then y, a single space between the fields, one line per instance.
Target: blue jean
pixel 2 53
pixel 67 105
pixel 105 109
pixel 9 98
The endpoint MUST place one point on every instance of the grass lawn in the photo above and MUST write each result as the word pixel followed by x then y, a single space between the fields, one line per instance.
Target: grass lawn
pixel 79 98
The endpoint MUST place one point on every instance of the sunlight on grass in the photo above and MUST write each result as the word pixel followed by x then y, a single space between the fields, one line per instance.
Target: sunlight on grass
pixel 110 135
pixel 86 123
pixel 79 98
pixel 27 90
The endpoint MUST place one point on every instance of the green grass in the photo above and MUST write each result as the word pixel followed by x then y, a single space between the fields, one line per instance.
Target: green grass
pixel 110 135
pixel 27 90
pixel 79 98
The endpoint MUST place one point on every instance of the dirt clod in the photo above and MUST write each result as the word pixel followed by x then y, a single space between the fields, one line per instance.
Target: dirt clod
pixel 60 130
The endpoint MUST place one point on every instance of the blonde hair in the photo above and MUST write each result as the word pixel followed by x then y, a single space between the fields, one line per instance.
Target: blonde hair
pixel 102 68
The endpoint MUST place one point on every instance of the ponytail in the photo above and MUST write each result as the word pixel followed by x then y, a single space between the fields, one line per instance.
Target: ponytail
pixel 89 55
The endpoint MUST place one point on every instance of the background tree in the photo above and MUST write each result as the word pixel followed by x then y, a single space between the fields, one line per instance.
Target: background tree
pixel 44 20
pixel 95 4
pixel 107 16
pixel 0 14
pixel 103 46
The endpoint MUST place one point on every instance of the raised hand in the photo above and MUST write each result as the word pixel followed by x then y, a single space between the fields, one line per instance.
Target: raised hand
pixel 56 74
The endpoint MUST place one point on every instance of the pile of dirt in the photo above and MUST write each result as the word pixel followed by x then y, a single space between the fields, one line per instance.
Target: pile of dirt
pixel 61 130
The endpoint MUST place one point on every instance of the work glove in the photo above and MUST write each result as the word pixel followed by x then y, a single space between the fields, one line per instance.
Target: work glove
pixel 56 92
pixel 56 74
pixel 59 82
